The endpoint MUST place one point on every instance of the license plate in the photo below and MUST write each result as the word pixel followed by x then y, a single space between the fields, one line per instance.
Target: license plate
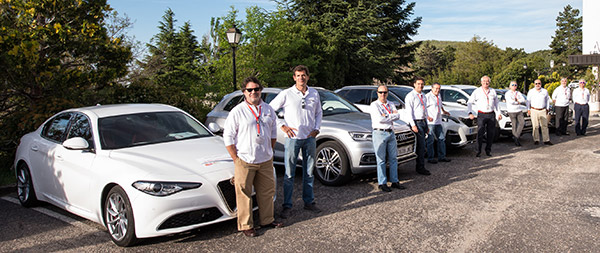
pixel 405 150
pixel 472 130
pixel 527 123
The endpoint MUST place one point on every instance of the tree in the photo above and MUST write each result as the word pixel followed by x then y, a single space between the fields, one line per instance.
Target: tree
pixel 475 59
pixel 568 35
pixel 430 60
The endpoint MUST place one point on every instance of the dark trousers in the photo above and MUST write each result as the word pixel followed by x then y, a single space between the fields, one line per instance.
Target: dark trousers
pixel 562 114
pixel 486 124
pixel 582 113
pixel 422 127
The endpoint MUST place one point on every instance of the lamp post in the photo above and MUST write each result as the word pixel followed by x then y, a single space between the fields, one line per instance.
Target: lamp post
pixel 525 79
pixel 233 36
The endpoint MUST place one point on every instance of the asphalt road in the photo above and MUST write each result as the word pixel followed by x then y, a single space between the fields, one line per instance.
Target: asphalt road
pixel 522 199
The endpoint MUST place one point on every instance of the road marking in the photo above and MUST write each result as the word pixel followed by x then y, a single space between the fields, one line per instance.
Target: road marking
pixel 56 215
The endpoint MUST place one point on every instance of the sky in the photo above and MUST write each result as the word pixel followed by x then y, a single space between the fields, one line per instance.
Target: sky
pixel 527 24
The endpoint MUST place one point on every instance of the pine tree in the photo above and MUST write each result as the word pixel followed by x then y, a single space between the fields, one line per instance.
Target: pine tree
pixel 568 36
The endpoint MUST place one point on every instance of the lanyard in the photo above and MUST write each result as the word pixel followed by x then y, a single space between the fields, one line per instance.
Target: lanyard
pixel 385 107
pixel 438 103
pixel 486 95
pixel 422 103
pixel 256 117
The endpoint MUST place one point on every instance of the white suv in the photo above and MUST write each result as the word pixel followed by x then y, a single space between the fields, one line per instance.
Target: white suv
pixel 456 97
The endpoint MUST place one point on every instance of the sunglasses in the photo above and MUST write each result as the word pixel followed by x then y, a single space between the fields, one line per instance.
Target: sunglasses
pixel 253 89
pixel 538 83
pixel 513 84
pixel 382 92
pixel 582 82
pixel 303 103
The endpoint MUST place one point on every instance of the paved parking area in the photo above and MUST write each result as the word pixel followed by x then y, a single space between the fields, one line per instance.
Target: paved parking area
pixel 522 199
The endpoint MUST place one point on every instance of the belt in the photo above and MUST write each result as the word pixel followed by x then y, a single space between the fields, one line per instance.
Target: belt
pixel 581 104
pixel 484 112
pixel 381 129
pixel 419 120
pixel 539 109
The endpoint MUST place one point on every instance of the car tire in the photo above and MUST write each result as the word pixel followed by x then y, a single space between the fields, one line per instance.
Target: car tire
pixel 332 165
pixel 118 217
pixel 25 189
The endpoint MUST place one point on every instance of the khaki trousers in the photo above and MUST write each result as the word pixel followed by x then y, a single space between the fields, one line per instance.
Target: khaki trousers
pixel 261 177
pixel 539 118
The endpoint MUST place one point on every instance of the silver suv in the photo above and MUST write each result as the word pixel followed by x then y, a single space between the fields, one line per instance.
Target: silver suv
pixel 344 146
pixel 458 133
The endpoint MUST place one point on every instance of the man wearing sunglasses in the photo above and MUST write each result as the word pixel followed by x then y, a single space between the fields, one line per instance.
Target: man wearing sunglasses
pixel 560 98
pixel 383 114
pixel 514 98
pixel 538 103
pixel 581 98
pixel 250 133
pixel 302 121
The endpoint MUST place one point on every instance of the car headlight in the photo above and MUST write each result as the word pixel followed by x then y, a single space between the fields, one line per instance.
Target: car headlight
pixel 162 189
pixel 361 136
pixel 504 113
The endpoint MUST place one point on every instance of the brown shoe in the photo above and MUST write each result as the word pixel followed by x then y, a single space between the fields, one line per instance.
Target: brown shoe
pixel 274 224
pixel 249 232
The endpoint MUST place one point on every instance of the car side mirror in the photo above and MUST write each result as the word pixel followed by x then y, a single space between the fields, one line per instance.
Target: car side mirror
pixel 462 101
pixel 214 127
pixel 76 143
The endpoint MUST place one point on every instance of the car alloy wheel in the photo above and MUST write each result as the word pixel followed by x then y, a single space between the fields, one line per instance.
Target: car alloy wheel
pixel 118 217
pixel 332 164
pixel 25 189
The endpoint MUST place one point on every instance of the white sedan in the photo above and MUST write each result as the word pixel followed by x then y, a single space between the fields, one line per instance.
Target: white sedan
pixel 141 170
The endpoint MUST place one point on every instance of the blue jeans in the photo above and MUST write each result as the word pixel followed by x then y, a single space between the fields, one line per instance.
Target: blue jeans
pixel 292 147
pixel 384 144
pixel 436 133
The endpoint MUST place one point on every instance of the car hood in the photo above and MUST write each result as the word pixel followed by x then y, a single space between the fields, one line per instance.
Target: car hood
pixel 185 157
pixel 356 121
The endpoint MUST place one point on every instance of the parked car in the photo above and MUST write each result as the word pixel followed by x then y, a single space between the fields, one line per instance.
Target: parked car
pixel 456 97
pixel 140 170
pixel 551 112
pixel 458 133
pixel 344 146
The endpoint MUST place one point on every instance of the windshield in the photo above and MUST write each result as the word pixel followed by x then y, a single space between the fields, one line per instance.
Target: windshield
pixel 401 92
pixel 148 128
pixel 469 90
pixel 334 104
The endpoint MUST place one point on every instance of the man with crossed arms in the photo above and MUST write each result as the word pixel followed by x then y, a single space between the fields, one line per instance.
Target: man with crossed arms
pixel 436 131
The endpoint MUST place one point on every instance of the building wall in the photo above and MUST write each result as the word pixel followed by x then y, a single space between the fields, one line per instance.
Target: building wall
pixel 591 27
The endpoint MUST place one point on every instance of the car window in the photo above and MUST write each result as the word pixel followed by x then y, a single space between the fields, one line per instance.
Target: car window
pixel 56 127
pixel 81 128
pixel 469 90
pixel 357 96
pixel 148 128
pixel 233 102
pixel 401 92
pixel 334 104
pixel 268 97
pixel 452 96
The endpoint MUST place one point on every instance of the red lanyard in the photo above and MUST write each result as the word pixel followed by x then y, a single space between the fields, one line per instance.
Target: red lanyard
pixel 257 118
pixel 438 103
pixel 388 110
pixel 486 95
pixel 423 104
pixel 515 94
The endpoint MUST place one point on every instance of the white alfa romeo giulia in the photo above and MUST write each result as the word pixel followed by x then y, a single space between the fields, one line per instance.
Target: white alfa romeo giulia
pixel 141 170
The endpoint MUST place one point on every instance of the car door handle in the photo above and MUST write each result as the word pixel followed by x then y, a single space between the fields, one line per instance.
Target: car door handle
pixel 34 148
pixel 59 157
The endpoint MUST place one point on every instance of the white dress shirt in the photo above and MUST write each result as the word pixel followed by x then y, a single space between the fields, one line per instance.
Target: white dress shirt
pixel 242 131
pixel 434 108
pixel 514 100
pixel 416 104
pixel 382 115
pixel 581 96
pixel 538 99
pixel 484 101
pixel 561 95
pixel 306 119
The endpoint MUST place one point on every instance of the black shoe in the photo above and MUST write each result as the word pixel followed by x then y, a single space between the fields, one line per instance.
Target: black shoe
pixel 517 142
pixel 398 186
pixel 478 154
pixel 423 172
pixel 312 207
pixel 566 133
pixel 558 134
pixel 548 143
pixel 536 143
pixel 434 161
pixel 384 188
pixel 488 153
pixel 446 160
pixel 285 213
pixel 274 224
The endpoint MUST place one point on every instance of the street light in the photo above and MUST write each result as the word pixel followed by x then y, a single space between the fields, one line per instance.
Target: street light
pixel 233 36
pixel 525 79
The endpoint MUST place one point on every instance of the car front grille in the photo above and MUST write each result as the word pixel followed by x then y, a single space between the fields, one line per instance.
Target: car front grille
pixel 191 218
pixel 469 122
pixel 228 193
pixel 404 138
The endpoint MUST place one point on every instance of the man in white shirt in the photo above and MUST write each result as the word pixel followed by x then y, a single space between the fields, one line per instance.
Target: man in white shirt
pixel 560 98
pixel 486 101
pixel 435 109
pixel 416 116
pixel 383 114
pixel 302 121
pixel 581 98
pixel 538 103
pixel 514 99
pixel 250 133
